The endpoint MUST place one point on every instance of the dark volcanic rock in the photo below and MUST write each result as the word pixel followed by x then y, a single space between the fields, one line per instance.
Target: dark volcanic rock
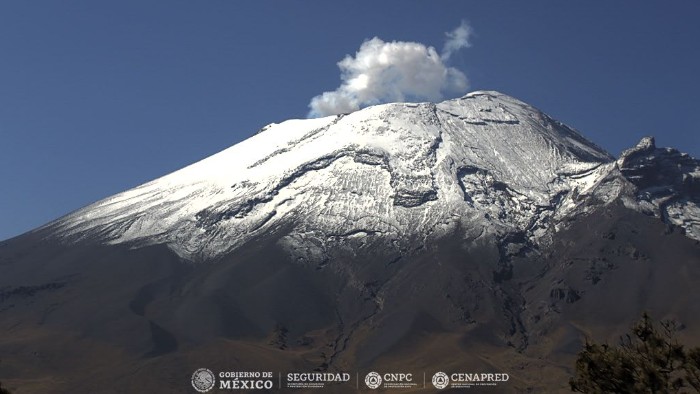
pixel 147 309
pixel 477 234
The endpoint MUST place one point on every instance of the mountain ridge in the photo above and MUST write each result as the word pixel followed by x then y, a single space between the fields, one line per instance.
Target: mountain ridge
pixel 404 237
pixel 414 154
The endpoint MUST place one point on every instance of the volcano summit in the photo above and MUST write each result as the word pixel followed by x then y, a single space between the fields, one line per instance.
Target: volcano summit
pixel 473 234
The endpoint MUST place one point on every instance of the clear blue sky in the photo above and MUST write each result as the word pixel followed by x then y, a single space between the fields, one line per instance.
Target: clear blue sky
pixel 97 97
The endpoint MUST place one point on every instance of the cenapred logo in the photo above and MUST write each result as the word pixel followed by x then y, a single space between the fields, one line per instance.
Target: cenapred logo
pixel 373 380
pixel 441 380
pixel 203 380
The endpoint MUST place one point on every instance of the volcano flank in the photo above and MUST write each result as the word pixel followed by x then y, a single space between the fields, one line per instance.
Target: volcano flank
pixel 476 234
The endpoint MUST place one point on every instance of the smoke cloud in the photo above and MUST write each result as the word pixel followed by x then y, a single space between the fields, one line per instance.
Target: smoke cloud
pixel 383 72
pixel 456 40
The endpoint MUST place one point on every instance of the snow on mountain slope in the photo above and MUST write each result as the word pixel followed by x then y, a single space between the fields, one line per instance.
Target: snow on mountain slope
pixel 666 184
pixel 486 161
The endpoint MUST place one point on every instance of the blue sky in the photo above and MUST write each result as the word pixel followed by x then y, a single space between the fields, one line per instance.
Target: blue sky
pixel 97 97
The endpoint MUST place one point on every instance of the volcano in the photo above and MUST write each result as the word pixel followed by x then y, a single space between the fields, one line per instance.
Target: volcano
pixel 476 234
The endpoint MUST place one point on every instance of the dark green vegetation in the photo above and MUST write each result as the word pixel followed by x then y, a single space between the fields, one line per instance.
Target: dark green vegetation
pixel 4 390
pixel 649 360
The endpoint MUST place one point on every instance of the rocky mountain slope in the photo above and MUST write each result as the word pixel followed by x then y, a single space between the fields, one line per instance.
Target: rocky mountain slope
pixel 486 160
pixel 476 233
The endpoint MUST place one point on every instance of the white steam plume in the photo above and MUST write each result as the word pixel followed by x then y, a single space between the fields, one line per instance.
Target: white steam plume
pixel 456 40
pixel 382 72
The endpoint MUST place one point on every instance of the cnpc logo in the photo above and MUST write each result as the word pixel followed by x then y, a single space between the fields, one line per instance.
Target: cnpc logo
pixel 374 380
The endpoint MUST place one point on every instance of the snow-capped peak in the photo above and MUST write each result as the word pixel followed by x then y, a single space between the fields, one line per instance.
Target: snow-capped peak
pixel 396 169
